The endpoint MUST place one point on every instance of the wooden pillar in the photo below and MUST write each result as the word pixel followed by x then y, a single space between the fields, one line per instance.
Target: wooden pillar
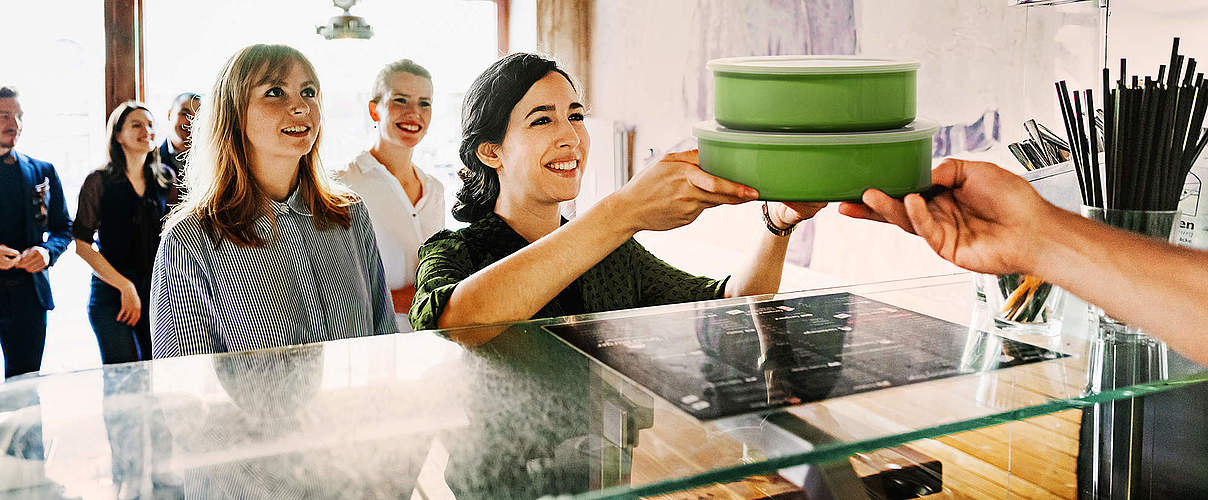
pixel 564 32
pixel 123 52
pixel 502 21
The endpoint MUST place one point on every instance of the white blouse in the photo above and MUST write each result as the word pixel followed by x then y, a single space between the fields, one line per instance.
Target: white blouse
pixel 400 227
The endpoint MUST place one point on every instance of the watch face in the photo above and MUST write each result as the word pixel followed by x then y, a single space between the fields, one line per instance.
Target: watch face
pixel 767 221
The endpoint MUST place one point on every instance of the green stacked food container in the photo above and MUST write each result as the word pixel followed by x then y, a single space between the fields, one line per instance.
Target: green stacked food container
pixel 817 128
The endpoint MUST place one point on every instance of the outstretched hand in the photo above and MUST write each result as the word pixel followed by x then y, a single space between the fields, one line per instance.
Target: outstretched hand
pixel 791 213
pixel 989 220
pixel 674 191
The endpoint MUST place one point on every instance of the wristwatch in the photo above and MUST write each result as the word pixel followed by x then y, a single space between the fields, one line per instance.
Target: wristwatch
pixel 767 220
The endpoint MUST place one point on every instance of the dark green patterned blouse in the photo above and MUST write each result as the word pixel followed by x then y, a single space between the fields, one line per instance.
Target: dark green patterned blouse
pixel 628 277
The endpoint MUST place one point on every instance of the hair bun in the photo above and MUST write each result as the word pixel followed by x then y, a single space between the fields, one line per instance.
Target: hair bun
pixel 465 174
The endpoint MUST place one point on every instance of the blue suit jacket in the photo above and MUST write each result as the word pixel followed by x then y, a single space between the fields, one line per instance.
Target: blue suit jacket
pixel 42 181
pixel 167 158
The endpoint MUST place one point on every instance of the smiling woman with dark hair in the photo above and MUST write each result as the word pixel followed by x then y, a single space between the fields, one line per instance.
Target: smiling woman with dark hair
pixel 524 147
pixel 125 202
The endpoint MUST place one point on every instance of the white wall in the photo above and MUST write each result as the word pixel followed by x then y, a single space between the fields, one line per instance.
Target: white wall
pixel 649 57
pixel 977 57
pixel 1141 30
pixel 522 26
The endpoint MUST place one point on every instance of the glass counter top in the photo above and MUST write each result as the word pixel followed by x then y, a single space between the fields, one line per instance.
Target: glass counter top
pixel 509 411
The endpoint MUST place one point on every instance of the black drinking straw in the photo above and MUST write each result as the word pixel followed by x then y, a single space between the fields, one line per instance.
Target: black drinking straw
pixel 1167 131
pixel 1146 132
pixel 1164 130
pixel 1200 147
pixel 1177 139
pixel 1096 184
pixel 1197 119
pixel 1132 141
pixel 1176 144
pixel 1109 115
pixel 1152 133
pixel 1083 162
pixel 1117 144
pixel 1063 101
pixel 1174 56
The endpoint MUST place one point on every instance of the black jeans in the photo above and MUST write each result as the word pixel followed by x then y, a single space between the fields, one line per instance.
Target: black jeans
pixel 119 342
pixel 22 323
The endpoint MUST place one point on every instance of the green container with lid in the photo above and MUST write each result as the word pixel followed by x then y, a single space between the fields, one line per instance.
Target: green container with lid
pixel 822 166
pixel 814 93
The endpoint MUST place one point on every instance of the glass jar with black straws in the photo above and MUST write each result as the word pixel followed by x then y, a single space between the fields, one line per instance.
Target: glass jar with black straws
pixel 1132 170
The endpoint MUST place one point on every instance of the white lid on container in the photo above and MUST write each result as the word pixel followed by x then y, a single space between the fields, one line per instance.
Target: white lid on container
pixel 810 65
pixel 918 129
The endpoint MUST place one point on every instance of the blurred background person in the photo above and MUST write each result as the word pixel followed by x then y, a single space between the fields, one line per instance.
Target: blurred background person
pixel 172 151
pixel 31 209
pixel 405 203
pixel 124 201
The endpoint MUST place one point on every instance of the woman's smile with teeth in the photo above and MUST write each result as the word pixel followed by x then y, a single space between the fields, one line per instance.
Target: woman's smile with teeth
pixel 408 127
pixel 563 165
pixel 296 130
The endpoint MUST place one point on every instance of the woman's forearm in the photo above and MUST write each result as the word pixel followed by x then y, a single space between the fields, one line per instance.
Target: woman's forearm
pixel 518 286
pixel 762 273
pixel 100 265
pixel 1141 281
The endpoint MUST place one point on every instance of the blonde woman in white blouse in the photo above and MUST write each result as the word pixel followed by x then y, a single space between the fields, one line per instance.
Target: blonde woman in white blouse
pixel 406 205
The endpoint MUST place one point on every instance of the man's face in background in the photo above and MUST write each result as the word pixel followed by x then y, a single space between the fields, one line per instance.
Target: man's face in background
pixel 10 123
pixel 182 119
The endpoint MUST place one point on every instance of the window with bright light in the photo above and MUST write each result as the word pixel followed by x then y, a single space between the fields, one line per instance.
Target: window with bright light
pixel 57 64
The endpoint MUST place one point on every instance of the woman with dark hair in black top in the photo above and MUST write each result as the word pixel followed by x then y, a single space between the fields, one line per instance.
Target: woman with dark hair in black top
pixel 124 201
pixel 524 147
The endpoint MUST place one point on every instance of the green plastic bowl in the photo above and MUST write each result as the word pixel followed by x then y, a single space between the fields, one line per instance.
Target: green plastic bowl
pixel 819 167
pixel 813 93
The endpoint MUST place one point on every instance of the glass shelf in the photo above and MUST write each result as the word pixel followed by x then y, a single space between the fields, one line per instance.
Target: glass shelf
pixel 514 412
pixel 1039 3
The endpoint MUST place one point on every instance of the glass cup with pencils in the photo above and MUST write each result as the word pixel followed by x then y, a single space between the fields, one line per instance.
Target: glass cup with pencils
pixel 1023 303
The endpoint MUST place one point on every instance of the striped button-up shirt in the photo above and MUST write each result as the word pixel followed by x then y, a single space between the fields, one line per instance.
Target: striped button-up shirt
pixel 303 286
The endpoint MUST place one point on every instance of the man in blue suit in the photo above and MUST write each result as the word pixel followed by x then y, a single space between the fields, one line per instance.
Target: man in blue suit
pixel 31 207
pixel 179 140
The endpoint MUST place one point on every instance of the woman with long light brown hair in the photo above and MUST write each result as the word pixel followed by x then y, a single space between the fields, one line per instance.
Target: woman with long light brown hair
pixel 265 250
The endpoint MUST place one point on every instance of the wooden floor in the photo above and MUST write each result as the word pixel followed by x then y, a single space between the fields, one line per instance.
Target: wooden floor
pixel 1033 458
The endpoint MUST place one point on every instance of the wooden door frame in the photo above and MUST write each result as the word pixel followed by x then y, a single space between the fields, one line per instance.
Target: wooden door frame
pixel 124 77
pixel 503 17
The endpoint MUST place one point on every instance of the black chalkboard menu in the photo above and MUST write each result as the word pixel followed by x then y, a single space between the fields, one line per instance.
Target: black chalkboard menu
pixel 730 360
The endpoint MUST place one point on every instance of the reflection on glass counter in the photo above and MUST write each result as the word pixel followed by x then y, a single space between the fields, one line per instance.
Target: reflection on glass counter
pixel 755 357
pixel 527 414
